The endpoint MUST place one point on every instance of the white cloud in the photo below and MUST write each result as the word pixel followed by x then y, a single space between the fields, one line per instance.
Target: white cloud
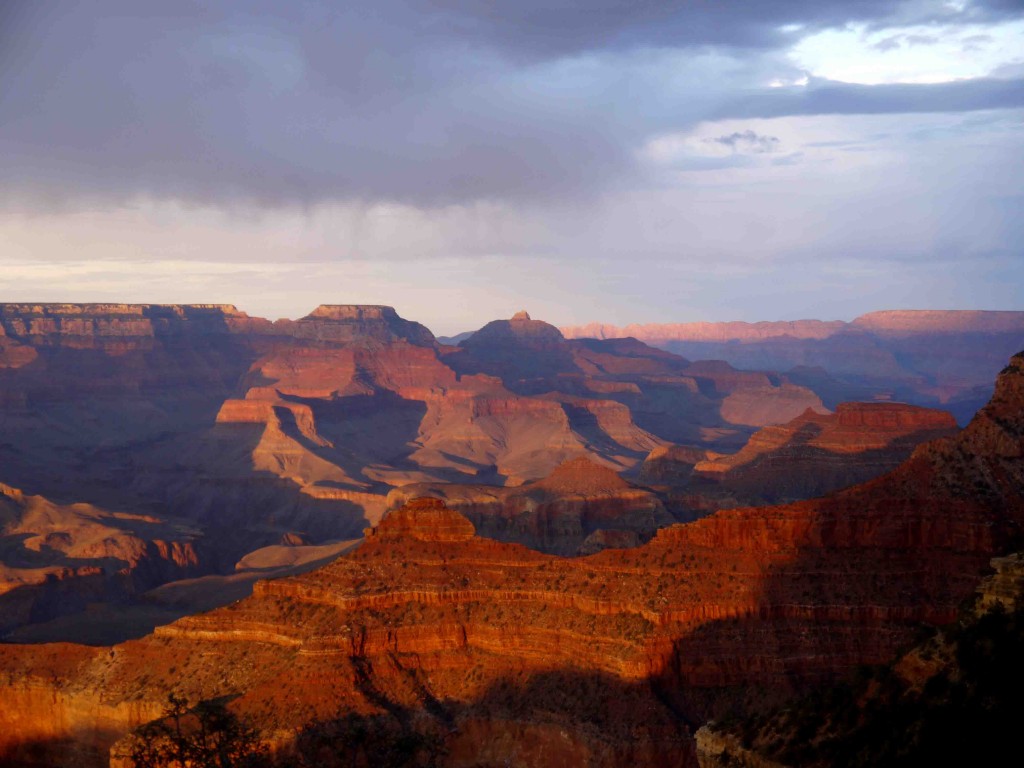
pixel 921 54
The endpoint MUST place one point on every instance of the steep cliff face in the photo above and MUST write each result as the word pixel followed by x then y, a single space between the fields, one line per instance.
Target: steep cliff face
pixel 916 321
pixel 120 325
pixel 500 643
pixel 70 352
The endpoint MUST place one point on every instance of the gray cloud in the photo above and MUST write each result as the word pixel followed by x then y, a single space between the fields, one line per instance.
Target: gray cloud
pixel 973 43
pixel 895 42
pixel 886 44
pixel 747 141
pixel 429 103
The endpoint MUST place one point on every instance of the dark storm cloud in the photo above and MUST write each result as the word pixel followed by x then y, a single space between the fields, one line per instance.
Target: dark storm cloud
pixel 423 102
pixel 302 104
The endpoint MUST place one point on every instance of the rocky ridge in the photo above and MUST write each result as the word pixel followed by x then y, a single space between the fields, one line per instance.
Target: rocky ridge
pixel 914 710
pixel 890 321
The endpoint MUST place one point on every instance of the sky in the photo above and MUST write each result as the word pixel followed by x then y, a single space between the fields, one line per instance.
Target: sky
pixel 608 160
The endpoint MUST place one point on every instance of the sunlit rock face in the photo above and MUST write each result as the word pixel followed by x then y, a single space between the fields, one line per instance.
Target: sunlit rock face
pixel 495 647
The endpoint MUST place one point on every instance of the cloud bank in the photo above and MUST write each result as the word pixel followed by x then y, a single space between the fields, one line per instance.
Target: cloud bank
pixel 678 133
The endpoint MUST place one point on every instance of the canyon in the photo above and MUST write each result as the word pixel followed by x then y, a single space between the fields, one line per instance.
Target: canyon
pixel 518 547
pixel 207 434
pixel 203 428
pixel 505 654
pixel 465 384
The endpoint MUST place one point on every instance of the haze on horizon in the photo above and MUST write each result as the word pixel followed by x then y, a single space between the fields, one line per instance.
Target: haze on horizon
pixel 604 161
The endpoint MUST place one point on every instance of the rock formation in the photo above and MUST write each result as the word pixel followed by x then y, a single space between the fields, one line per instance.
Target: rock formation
pixel 388 405
pixel 559 514
pixel 56 559
pixel 816 453
pixel 926 357
pixel 963 679
pixel 358 324
pixel 250 432
pixel 506 652
pixel 423 519
pixel 671 465
pixel 666 395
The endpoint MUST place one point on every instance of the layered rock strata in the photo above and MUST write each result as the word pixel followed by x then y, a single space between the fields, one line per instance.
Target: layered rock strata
pixel 253 432
pixel 502 645
pixel 913 711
